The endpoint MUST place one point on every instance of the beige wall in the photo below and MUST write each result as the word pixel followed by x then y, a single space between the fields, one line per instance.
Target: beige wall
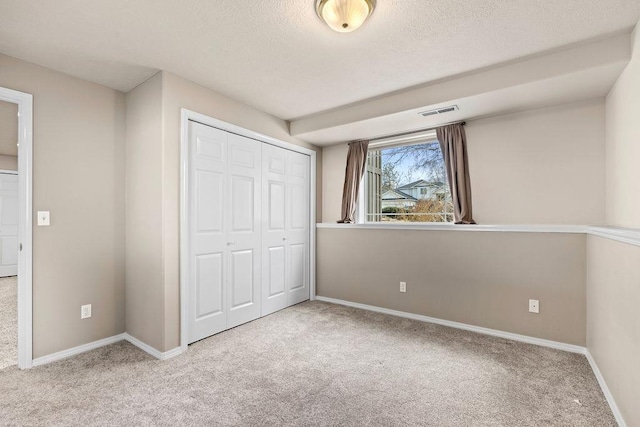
pixel 144 297
pixel 334 161
pixel 8 129
pixel 9 163
pixel 78 164
pixel 158 324
pixel 613 276
pixel 613 319
pixel 478 278
pixel 623 145
pixel 539 167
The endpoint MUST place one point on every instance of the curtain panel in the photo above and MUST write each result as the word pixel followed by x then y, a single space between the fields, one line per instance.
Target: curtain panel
pixel 453 143
pixel 356 162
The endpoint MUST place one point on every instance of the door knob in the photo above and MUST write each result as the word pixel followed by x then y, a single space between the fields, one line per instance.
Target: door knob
pixel 284 238
pixel 231 243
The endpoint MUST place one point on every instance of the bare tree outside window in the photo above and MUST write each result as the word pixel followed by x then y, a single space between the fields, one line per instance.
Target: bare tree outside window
pixel 411 185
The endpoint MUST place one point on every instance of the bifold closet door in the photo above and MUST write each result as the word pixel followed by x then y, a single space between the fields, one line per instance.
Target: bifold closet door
pixel 224 217
pixel 298 228
pixel 285 232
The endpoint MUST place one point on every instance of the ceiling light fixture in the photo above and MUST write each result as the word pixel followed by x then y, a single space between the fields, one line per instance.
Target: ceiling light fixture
pixel 344 16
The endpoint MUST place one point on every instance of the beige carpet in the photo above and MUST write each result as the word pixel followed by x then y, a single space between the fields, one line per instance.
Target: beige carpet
pixel 315 364
pixel 8 321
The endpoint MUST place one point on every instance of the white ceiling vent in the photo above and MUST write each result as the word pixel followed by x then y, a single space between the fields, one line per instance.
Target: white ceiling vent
pixel 439 111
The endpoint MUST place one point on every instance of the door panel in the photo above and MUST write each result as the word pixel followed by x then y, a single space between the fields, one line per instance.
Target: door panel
pixel 209 284
pixel 276 278
pixel 209 213
pixel 297 266
pixel 241 279
pixel 208 249
pixel 298 228
pixel 242 194
pixel 276 200
pixel 274 241
pixel 245 170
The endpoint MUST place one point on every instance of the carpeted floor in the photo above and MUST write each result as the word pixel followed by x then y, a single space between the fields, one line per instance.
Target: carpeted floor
pixel 8 321
pixel 315 364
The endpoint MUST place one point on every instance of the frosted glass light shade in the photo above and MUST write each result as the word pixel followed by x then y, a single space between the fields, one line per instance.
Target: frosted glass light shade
pixel 344 15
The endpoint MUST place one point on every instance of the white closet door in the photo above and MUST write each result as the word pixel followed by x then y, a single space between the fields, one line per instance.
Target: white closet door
pixel 285 235
pixel 244 236
pixel 225 250
pixel 208 231
pixel 274 207
pixel 8 225
pixel 297 225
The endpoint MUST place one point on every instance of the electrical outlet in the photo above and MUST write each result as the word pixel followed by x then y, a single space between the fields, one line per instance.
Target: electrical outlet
pixel 85 311
pixel 403 286
pixel 534 306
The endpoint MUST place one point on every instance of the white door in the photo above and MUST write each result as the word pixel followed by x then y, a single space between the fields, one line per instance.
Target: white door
pixel 208 240
pixel 274 230
pixel 285 233
pixel 244 167
pixel 224 199
pixel 8 224
pixel 297 233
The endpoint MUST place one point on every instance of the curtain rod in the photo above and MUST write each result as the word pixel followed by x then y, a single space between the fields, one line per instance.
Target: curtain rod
pixel 378 138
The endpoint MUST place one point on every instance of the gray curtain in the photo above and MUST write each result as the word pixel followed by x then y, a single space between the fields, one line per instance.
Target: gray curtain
pixel 356 162
pixel 453 143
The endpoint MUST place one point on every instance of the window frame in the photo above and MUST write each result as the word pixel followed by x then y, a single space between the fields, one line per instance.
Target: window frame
pixel 392 142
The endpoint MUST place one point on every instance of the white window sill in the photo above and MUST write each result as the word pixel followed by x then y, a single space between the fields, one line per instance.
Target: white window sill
pixel 625 235
pixel 534 228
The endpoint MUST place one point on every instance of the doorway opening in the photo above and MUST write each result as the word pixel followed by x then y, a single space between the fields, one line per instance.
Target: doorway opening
pixel 15 229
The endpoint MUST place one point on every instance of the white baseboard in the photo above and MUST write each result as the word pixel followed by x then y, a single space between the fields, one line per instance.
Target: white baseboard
pixel 479 329
pixel 101 343
pixel 77 350
pixel 152 351
pixel 605 390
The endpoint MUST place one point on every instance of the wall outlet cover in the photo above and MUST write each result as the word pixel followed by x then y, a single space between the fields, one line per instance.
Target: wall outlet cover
pixel 403 286
pixel 85 311
pixel 534 306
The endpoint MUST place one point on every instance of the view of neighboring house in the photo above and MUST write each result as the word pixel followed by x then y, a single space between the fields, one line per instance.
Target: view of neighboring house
pixel 407 196
pixel 422 189
pixel 397 199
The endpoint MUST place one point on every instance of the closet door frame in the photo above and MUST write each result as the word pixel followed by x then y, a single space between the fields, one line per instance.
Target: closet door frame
pixel 186 116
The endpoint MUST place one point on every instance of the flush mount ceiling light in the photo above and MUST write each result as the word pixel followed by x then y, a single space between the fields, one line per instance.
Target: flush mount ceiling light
pixel 344 16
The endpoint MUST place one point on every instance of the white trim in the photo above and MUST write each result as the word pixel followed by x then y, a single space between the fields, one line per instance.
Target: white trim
pixel 184 227
pixel 77 350
pixel 25 191
pixel 486 331
pixel 624 235
pixel 185 116
pixel 630 236
pixel 516 228
pixel 605 390
pixel 150 350
pixel 8 172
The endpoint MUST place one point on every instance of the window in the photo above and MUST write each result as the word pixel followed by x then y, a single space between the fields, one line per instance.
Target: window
pixel 406 183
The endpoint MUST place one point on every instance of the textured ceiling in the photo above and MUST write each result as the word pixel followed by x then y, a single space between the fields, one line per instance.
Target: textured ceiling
pixel 279 57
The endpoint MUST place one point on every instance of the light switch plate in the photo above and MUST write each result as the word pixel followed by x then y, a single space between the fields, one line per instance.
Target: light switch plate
pixel 43 218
